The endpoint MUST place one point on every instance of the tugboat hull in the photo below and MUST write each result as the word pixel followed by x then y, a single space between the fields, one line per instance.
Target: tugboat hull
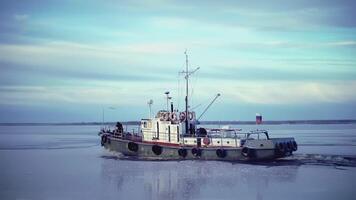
pixel 154 151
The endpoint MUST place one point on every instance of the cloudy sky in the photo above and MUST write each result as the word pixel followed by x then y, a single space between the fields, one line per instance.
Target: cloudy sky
pixel 66 61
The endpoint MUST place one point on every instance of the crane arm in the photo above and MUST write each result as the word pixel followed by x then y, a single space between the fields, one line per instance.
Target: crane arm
pixel 209 106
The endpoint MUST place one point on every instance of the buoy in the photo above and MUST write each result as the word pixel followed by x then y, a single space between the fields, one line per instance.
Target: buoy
pixel 206 141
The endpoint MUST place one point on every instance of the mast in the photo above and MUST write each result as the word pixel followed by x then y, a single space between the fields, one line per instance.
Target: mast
pixel 187 74
pixel 187 93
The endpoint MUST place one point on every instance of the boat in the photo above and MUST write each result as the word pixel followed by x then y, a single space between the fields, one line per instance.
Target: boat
pixel 174 135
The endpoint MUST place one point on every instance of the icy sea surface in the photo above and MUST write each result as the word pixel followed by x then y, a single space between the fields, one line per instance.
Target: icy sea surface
pixel 67 162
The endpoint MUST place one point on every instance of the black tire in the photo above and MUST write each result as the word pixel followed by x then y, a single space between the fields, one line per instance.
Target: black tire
pixel 221 153
pixel 281 147
pixel 182 153
pixel 103 140
pixel 245 152
pixel 132 146
pixel 294 146
pixel 202 132
pixel 196 152
pixel 157 150
pixel 288 147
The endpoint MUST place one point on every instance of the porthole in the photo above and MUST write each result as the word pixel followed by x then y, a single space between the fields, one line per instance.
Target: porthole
pixel 228 142
pixel 218 142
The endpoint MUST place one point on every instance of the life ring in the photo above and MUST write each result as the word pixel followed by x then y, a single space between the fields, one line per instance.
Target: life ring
pixel 166 116
pixel 294 146
pixel 161 116
pixel 196 152
pixel 182 152
pixel 157 150
pixel 191 115
pixel 206 141
pixel 182 116
pixel 173 116
pixel 221 153
pixel 132 146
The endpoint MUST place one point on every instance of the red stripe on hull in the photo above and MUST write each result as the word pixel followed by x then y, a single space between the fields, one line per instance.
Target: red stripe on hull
pixel 174 145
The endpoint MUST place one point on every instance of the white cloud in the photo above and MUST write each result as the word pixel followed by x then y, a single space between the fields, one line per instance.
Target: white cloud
pixel 76 57
pixel 342 43
pixel 282 92
pixel 137 94
pixel 108 93
pixel 170 22
pixel 21 17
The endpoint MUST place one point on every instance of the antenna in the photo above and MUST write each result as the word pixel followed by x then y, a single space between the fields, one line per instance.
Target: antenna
pixel 187 74
pixel 150 102
pixel 168 98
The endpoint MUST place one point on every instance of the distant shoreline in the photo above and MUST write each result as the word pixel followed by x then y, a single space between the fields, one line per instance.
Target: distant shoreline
pixel 346 121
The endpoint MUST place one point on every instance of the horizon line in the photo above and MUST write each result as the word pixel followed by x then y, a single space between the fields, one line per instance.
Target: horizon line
pixel 207 122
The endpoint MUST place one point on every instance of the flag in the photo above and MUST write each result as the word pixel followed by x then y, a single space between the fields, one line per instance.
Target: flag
pixel 258 118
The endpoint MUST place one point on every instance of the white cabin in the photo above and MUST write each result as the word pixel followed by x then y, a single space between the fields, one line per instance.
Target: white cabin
pixel 166 127
pixel 169 127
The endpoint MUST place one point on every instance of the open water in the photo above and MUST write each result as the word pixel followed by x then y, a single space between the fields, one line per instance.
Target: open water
pixel 67 162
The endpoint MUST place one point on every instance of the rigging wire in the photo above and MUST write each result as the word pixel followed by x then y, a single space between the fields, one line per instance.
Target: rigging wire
pixel 179 93
pixel 193 85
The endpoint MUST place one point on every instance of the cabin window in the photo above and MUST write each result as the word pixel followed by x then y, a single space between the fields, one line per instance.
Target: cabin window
pixel 157 130
pixel 177 133
pixel 144 124
pixel 169 133
pixel 262 137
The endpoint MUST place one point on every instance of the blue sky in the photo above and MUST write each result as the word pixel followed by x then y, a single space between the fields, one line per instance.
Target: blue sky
pixel 65 61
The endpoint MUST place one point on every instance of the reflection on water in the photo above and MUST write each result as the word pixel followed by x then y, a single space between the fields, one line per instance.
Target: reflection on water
pixel 194 179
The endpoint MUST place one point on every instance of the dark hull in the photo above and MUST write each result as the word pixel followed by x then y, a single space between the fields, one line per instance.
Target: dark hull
pixel 168 152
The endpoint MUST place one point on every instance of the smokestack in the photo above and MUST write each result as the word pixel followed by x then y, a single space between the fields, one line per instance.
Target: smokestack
pixel 171 106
